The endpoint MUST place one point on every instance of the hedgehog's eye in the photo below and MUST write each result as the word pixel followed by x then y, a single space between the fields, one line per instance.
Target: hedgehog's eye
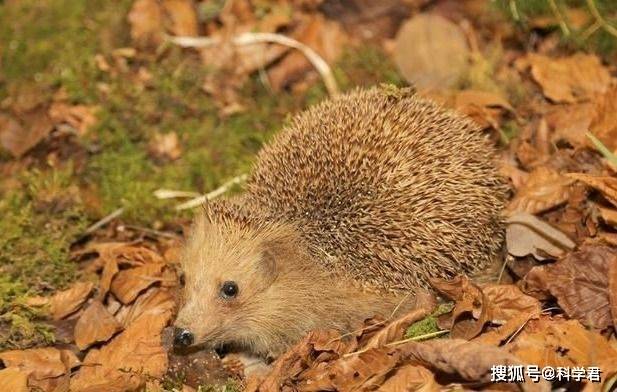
pixel 229 289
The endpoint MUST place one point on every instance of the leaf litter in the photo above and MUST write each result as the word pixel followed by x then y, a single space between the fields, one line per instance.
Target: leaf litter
pixel 553 304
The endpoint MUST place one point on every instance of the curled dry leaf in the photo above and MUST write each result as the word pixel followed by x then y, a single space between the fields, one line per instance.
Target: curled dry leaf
pixel 41 365
pixel 604 124
pixel 580 282
pixel 65 302
pixel 182 16
pixel 165 147
pixel 395 329
pixel 545 188
pixel 153 302
pixel 146 21
pixel 18 136
pixel 14 380
pixel 127 361
pixel 528 235
pixel 569 79
pixel 502 305
pixel 609 216
pixel 79 117
pixel 127 284
pixel 484 107
pixel 559 342
pixel 605 184
pixel 457 357
pixel 95 325
pixel 431 52
pixel 410 378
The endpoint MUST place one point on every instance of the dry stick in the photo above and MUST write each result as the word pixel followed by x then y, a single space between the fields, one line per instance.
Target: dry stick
pixel 562 23
pixel 103 222
pixel 172 194
pixel 211 195
pixel 255 38
pixel 596 14
pixel 398 342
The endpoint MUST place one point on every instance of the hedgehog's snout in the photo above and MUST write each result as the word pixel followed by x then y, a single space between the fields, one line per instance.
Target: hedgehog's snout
pixel 183 338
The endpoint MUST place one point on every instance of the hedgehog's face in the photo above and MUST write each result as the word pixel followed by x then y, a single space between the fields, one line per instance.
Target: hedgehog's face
pixel 228 275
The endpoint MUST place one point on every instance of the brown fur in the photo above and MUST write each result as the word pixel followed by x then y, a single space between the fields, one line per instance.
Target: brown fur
pixel 367 194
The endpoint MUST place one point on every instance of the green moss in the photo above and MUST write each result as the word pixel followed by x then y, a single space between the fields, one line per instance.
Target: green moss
pixel 427 325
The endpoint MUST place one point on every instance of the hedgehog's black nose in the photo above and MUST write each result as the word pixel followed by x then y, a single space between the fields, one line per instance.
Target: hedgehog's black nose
pixel 183 338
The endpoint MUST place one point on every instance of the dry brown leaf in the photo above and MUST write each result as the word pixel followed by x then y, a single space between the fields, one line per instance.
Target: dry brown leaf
pixel 324 36
pixel 110 269
pixel 411 378
pixel 457 357
pixel 528 235
pixel 484 107
pixel 580 282
pixel 65 302
pixel 127 284
pixel 545 188
pixel 146 21
pixel 95 325
pixel 165 147
pixel 605 184
pixel 571 122
pixel 395 329
pixel 152 302
pixel 13 380
pixel 79 117
pixel 569 79
pixel 363 371
pixel 19 136
pixel 558 342
pixel 431 52
pixel 43 366
pixel 509 301
pixel 127 361
pixel 124 254
pixel 472 309
pixel 182 15
pixel 609 216
pixel 604 124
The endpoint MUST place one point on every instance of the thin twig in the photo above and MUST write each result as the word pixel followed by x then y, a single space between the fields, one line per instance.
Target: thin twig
pixel 172 194
pixel 154 232
pixel 398 342
pixel 596 14
pixel 562 23
pixel 103 222
pixel 254 38
pixel 211 195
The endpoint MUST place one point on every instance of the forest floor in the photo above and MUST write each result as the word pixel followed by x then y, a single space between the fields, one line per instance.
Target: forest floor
pixel 106 127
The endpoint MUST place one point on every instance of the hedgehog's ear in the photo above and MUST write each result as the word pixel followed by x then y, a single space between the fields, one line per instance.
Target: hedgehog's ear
pixel 269 263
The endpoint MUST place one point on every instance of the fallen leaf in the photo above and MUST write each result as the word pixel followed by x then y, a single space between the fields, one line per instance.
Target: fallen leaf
pixel 79 117
pixel 324 36
pixel 165 147
pixel 127 284
pixel 569 79
pixel 571 122
pixel 457 357
pixel 410 378
pixel 13 380
pixel 604 123
pixel 580 282
pixel 395 329
pixel 182 15
pixel 609 216
pixel 154 301
pixel 545 189
pixel 19 136
pixel 431 52
pixel 95 325
pixel 65 302
pixel 127 361
pixel 41 365
pixel 605 184
pixel 484 107
pixel 528 235
pixel 558 342
pixel 146 22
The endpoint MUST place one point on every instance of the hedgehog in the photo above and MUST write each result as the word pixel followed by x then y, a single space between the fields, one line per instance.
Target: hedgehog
pixel 350 209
